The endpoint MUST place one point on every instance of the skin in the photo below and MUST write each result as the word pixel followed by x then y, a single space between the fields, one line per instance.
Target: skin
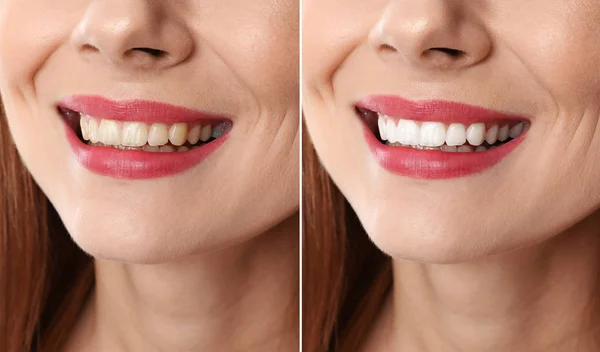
pixel 503 260
pixel 169 249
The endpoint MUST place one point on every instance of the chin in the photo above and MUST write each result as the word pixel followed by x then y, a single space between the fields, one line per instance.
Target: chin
pixel 433 241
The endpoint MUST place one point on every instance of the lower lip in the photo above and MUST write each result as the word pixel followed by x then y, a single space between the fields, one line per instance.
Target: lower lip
pixel 135 164
pixel 435 164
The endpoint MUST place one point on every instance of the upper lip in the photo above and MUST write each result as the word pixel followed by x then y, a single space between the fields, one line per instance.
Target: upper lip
pixel 432 110
pixel 134 110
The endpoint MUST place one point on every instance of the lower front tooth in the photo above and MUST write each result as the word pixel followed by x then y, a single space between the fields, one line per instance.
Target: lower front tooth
pixel 167 149
pixel 183 149
pixel 481 149
pixel 150 148
pixel 448 148
pixel 465 149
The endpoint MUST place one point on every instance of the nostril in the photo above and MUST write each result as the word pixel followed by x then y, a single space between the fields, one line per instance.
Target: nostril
pixel 449 52
pixel 153 52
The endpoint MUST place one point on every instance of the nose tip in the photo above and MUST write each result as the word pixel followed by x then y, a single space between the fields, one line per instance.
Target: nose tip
pixel 131 37
pixel 429 35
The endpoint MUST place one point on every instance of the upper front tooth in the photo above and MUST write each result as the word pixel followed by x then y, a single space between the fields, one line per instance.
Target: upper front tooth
pixel 135 134
pixel 390 127
pixel 516 131
pixel 503 133
pixel 83 123
pixel 158 134
pixel 476 134
pixel 381 123
pixel 408 132
pixel 433 134
pixel 178 134
pixel 456 134
pixel 194 134
pixel 491 135
pixel 206 133
pixel 109 132
pixel 93 130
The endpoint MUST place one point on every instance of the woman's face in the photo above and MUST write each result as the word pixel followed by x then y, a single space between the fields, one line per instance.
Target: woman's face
pixel 533 67
pixel 230 64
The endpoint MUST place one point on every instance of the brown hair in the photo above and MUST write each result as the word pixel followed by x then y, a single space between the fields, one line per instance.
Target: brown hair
pixel 345 277
pixel 44 277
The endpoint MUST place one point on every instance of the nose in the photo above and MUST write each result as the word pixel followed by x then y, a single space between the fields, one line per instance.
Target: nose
pixel 430 35
pixel 132 34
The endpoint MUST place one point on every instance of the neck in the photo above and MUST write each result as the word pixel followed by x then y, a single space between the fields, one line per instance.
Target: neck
pixel 242 298
pixel 542 298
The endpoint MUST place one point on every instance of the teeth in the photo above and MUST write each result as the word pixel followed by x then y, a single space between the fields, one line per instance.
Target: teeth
pixel 109 132
pixel 390 128
pixel 428 135
pixel 183 149
pixel 476 134
pixel 178 134
pixel 219 130
pixel 408 132
pixel 481 149
pixel 158 134
pixel 206 133
pixel 465 149
pixel 141 136
pixel 491 135
pixel 448 148
pixel 93 130
pixel 135 134
pixel 456 134
pixel 382 130
pixel 85 130
pixel 433 134
pixel 194 134
pixel 503 133
pixel 516 131
pixel 167 149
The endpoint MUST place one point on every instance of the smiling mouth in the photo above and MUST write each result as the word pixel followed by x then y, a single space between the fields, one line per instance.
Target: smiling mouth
pixel 140 136
pixel 448 137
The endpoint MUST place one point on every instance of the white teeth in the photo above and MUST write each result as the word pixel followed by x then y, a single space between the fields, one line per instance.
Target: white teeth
pixel 503 133
pixel 93 130
pixel 382 130
pixel 476 134
pixel 135 134
pixel 408 132
pixel 178 134
pixel 516 130
pixel 390 131
pixel 433 134
pixel 109 132
pixel 491 135
pixel 194 134
pixel 456 134
pixel 158 134
pixel 85 131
